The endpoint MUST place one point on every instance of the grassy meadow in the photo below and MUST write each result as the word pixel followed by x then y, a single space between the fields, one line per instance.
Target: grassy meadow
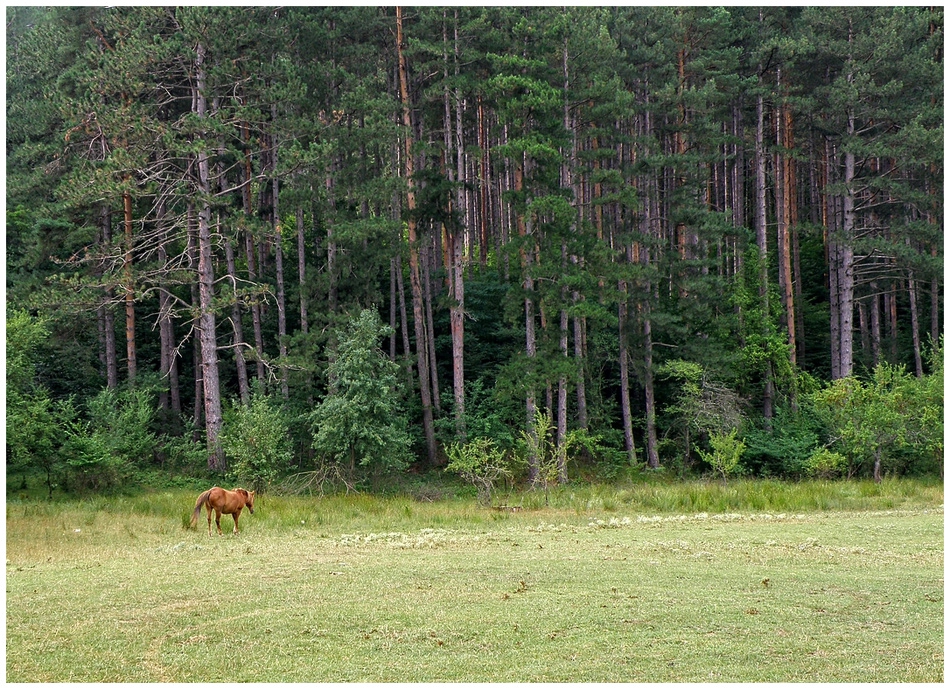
pixel 753 581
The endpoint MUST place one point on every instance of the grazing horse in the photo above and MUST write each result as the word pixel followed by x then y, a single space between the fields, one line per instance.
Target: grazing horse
pixel 223 502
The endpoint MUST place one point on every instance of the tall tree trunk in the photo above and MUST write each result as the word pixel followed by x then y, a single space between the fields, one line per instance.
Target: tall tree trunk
pixel 761 238
pixel 426 260
pixel 130 348
pixel 832 222
pixel 457 320
pixel 169 398
pixel 653 455
pixel 198 415
pixel 626 412
pixel 279 267
pixel 566 183
pixel 890 306
pixel 580 356
pixel 454 236
pixel 415 280
pixel 531 345
pixel 649 228
pixel 845 250
pixel 392 308
pixel 237 326
pixel 562 391
pixel 679 144
pixel 302 271
pixel 783 204
pixel 875 325
pixel 404 320
pixel 484 186
pixel 332 286
pixel 846 265
pixel 206 319
pixel 915 324
pixel 108 316
pixel 935 293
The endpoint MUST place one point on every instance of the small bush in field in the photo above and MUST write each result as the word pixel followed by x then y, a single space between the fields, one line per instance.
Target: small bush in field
pixel 824 463
pixel 256 441
pixel 481 463
pixel 727 450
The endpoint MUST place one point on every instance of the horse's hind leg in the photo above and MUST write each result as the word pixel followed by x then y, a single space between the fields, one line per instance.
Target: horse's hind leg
pixel 209 518
pixel 236 515
pixel 217 521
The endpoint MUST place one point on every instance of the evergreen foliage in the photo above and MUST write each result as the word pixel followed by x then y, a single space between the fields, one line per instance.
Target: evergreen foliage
pixel 360 422
pixel 256 440
pixel 652 228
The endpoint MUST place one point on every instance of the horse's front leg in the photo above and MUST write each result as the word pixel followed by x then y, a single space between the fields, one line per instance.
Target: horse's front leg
pixel 236 515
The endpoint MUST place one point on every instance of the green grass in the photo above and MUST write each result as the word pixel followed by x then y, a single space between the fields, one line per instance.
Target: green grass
pixel 752 581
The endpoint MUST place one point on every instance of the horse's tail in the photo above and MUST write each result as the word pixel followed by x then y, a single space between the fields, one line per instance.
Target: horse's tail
pixel 202 499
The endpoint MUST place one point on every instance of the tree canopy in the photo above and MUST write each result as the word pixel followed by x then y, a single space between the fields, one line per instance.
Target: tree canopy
pixel 417 227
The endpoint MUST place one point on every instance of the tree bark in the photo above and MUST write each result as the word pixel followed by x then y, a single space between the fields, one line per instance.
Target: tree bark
pixel 302 271
pixel 562 392
pixel 531 345
pixel 915 324
pixel 761 237
pixel 170 400
pixel 108 316
pixel 206 320
pixel 130 348
pixel 198 415
pixel 414 273
pixel 653 456
pixel 426 261
pixel 244 390
pixel 279 267
pixel 783 203
pixel 626 412
pixel 845 254
pixel 454 237
pixel 457 320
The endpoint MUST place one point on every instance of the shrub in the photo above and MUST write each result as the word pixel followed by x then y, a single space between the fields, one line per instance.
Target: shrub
pixel 103 449
pixel 783 448
pixel 892 421
pixel 823 463
pixel 256 442
pixel 360 422
pixel 481 463
pixel 703 405
pixel 727 450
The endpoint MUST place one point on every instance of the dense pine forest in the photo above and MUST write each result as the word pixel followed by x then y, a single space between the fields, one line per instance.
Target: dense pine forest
pixel 326 246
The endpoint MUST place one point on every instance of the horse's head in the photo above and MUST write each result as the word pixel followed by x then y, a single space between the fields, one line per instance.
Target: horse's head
pixel 250 501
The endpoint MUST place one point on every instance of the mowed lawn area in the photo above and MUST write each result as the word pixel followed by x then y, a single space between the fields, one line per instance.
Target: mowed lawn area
pixel 595 587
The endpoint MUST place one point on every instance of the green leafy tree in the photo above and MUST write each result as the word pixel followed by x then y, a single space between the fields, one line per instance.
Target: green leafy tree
pixel 34 428
pixel 875 423
pixel 105 446
pixel 703 405
pixel 823 463
pixel 726 452
pixel 256 441
pixel 360 423
pixel 481 463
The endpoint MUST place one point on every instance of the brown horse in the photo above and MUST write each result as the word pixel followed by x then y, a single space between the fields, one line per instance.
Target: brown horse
pixel 223 502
